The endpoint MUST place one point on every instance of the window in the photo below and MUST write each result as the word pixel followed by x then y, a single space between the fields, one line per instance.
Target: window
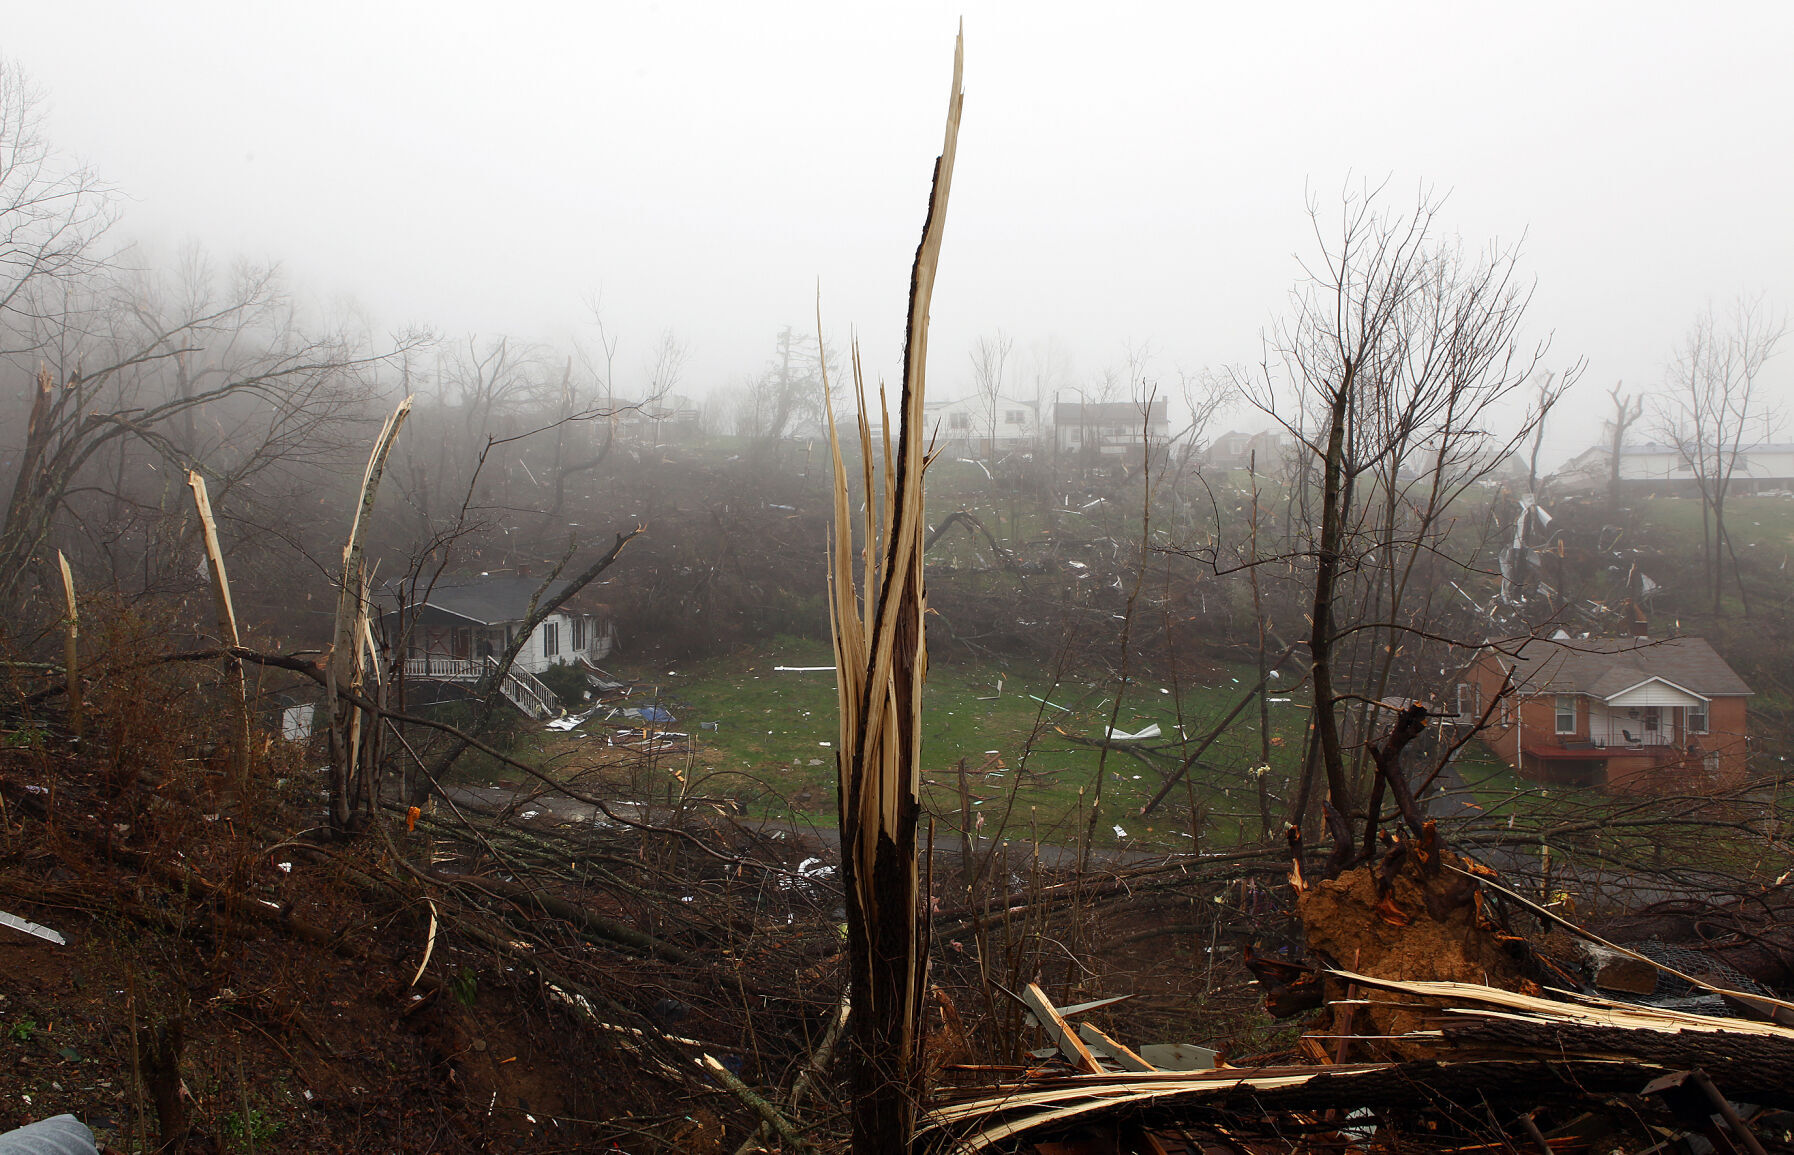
pixel 1470 701
pixel 579 633
pixel 551 639
pixel 1697 719
pixel 959 420
pixel 1653 719
pixel 1566 713
pixel 1015 416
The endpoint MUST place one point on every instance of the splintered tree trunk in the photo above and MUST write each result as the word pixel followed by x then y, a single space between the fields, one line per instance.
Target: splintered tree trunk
pixel 1320 639
pixel 227 623
pixel 881 659
pixel 350 644
pixel 71 644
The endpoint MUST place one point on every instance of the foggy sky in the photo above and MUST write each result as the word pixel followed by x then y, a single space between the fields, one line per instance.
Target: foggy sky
pixel 1135 179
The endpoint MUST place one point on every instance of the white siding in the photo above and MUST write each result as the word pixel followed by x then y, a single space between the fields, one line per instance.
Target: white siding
pixel 1654 693
pixel 600 638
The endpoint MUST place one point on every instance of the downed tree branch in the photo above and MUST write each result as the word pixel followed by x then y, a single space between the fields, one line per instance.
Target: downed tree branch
pixel 758 1104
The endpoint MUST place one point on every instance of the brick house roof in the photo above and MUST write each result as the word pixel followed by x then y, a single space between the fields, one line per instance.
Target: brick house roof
pixel 1602 667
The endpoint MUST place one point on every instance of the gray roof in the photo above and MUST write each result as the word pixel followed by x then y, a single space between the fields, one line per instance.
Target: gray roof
pixel 1108 412
pixel 1602 667
pixel 1656 447
pixel 487 600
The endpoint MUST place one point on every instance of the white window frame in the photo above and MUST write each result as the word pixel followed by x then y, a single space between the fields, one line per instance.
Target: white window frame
pixel 551 639
pixel 1704 711
pixel 1473 692
pixel 580 633
pixel 1559 712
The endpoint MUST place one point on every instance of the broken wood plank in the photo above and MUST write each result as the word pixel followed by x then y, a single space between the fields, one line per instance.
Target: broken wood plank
pixel 1095 1036
pixel 1070 1045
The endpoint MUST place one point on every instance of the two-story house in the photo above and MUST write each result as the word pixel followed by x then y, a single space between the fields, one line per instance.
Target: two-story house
pixel 979 427
pixel 1636 713
pixel 1110 430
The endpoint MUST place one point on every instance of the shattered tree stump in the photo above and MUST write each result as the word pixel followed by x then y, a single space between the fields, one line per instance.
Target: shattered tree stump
pixel 1410 916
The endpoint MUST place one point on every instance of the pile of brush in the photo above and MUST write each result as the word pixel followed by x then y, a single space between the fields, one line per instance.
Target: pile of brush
pixel 1433 1026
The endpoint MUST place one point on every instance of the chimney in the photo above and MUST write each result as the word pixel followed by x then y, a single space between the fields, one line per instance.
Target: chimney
pixel 1641 625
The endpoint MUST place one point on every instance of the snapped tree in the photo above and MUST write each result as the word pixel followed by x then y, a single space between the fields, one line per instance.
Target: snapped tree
pixel 881 659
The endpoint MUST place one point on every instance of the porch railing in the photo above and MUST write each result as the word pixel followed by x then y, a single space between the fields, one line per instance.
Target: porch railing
pixel 527 692
pixel 520 687
pixel 437 669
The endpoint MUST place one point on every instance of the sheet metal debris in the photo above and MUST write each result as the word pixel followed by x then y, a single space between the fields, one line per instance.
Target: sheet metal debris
pixel 32 928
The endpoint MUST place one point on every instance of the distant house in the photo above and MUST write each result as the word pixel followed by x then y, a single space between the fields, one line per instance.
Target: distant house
pixel 672 418
pixel 1109 429
pixel 1589 472
pixel 1635 714
pixel 475 617
pixel 966 426
pixel 455 631
pixel 1237 450
pixel 1653 467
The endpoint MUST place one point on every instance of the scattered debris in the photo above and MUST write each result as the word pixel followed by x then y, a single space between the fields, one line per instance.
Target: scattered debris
pixel 32 928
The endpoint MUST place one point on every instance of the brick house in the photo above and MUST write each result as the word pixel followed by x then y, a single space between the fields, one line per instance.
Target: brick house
pixel 1631 714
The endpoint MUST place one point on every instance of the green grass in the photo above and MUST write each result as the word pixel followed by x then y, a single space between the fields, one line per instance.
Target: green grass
pixel 773 747
pixel 1755 523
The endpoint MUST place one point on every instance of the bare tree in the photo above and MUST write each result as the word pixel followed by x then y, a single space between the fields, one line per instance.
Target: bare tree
pixel 147 373
pixel 53 214
pixel 1627 409
pixel 1552 387
pixel 990 361
pixel 1400 354
pixel 790 390
pixel 1714 409
pixel 494 379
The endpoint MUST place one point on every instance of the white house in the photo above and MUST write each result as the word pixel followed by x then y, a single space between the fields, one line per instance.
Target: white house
pixel 473 618
pixel 966 425
pixel 1653 467
pixel 1110 429
pixel 1765 465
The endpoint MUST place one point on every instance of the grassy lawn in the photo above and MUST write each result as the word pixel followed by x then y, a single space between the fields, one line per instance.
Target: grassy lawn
pixel 1755 523
pixel 773 744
